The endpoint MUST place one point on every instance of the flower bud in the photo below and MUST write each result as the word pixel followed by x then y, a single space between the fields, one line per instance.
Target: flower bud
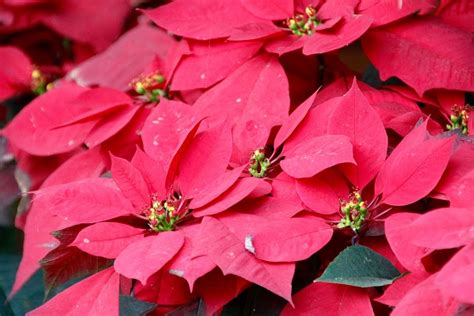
pixel 310 11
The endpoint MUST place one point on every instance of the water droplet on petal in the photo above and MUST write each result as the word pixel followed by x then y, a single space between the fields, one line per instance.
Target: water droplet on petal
pixel 50 245
pixel 238 100
pixel 203 76
pixel 157 120
pixel 86 241
pixel 71 142
pixel 33 121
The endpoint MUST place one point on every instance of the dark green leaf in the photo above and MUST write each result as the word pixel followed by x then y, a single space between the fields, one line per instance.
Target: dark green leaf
pixel 196 308
pixel 66 263
pixel 360 266
pixel 131 306
pixel 30 295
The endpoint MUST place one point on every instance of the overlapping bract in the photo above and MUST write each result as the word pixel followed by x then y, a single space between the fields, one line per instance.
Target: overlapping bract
pixel 184 162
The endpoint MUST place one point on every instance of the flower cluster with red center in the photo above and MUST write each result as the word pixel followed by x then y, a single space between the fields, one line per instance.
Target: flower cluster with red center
pixel 165 215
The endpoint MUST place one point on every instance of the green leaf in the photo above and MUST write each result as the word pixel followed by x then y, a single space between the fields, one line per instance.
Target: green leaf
pixel 361 267
pixel 131 306
pixel 28 297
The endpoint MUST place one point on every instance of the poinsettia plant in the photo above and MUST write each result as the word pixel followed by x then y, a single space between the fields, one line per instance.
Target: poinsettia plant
pixel 293 157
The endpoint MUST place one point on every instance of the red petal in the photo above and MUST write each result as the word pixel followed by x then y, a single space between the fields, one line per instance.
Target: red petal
pixel 263 188
pixel 397 290
pixel 86 201
pixel 457 278
pixel 40 223
pixel 184 264
pixel 426 299
pixel 32 129
pixel 15 78
pixel 344 33
pixel 38 242
pixel 290 240
pixel 248 136
pixel 131 182
pixel 270 10
pixel 107 239
pixel 355 118
pixel 87 164
pixel 399 239
pixel 316 155
pixel 323 192
pixel 152 171
pixel 330 299
pixel 204 160
pixel 272 207
pixel 216 188
pixel 211 62
pixel 96 103
pixel 407 47
pixel 396 112
pixel 228 251
pixel 160 134
pixel 110 126
pixel 236 193
pixel 124 60
pixel 164 289
pixel 457 182
pixel 185 141
pixel 413 168
pixel 96 295
pixel 202 19
pixel 217 290
pixel 75 19
pixel 293 121
pixel 263 96
pixel 443 228
pixel 143 258
pixel 284 44
pixel 457 13
pixel 253 30
pixel 384 12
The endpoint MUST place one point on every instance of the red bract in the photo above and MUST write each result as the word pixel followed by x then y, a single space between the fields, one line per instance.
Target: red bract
pixel 72 18
pixel 205 19
pixel 330 299
pixel 447 54
pixel 124 60
pixel 94 295
pixel 210 62
pixel 228 250
pixel 411 171
pixel 313 27
pixel 16 79
pixel 242 157
pixel 53 131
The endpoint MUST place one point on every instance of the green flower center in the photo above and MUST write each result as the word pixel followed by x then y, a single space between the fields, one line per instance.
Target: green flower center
pixel 152 86
pixel 304 24
pixel 39 83
pixel 459 119
pixel 259 164
pixel 165 214
pixel 354 212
